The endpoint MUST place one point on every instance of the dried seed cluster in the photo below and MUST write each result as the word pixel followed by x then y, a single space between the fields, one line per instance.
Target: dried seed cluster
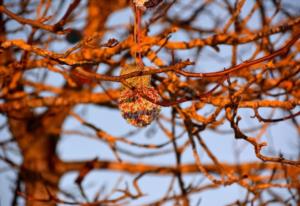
pixel 135 109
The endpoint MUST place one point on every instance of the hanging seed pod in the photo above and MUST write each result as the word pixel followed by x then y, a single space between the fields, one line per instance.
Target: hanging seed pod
pixel 135 82
pixel 135 109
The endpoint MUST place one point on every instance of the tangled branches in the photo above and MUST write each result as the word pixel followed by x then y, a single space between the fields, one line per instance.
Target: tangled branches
pixel 226 74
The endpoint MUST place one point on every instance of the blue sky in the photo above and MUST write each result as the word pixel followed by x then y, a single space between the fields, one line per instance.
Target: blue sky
pixel 74 147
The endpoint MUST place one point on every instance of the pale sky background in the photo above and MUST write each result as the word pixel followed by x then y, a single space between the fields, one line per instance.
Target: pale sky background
pixel 281 136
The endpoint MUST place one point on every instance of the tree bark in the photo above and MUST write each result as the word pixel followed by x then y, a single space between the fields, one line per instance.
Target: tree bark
pixel 37 140
pixel 37 134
